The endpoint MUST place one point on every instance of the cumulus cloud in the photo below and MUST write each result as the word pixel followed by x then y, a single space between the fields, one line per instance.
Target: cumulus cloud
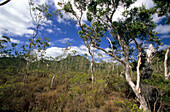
pixel 58 51
pixel 157 19
pixel 81 50
pixel 49 30
pixel 16 41
pixel 163 29
pixel 15 19
pixel 164 36
pixel 147 3
pixel 163 47
pixel 65 40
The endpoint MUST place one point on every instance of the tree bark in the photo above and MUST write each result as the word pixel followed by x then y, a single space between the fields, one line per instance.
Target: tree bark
pixel 141 99
pixel 52 79
pixel 91 64
pixel 138 72
pixel 91 67
pixel 165 64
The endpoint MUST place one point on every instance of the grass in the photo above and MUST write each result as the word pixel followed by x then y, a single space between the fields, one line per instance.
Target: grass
pixel 71 92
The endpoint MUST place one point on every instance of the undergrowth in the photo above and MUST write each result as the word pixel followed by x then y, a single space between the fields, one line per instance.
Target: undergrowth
pixel 71 92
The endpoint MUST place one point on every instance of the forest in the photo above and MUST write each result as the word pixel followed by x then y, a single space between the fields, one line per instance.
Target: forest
pixel 135 79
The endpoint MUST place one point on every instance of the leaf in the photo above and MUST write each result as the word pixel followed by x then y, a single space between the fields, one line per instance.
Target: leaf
pixel 6 38
pixel 38 9
pixel 60 4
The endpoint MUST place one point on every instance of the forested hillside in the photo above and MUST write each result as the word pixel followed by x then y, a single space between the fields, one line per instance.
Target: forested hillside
pixel 130 74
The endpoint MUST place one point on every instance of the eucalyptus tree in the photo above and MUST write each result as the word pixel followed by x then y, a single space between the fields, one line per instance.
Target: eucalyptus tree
pixel 39 15
pixel 90 48
pixel 135 26
pixel 41 44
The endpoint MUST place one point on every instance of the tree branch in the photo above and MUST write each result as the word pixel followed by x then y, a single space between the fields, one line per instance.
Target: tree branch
pixel 5 2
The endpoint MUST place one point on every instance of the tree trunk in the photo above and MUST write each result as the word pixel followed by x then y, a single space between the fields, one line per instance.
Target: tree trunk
pixel 165 64
pixel 113 68
pixel 52 80
pixel 141 99
pixel 138 72
pixel 91 68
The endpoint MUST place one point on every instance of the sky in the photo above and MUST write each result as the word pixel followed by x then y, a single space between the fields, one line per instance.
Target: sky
pixel 17 24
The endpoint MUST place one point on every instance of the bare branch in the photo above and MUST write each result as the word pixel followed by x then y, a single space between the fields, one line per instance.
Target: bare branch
pixel 5 2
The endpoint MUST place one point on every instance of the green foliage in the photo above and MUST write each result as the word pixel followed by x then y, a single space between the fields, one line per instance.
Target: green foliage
pixel 11 65
pixel 156 90
pixel 158 81
pixel 163 8
pixel 137 24
pixel 116 83
pixel 71 92
pixel 128 106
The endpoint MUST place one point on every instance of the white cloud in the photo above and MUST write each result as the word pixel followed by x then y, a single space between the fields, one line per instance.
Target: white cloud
pixel 15 19
pixel 65 40
pixel 157 19
pixel 81 50
pixel 58 51
pixel 165 36
pixel 27 43
pixel 28 35
pixel 16 41
pixel 163 29
pixel 12 40
pixel 138 41
pixel 66 16
pixel 49 30
pixel 163 47
pixel 59 29
pixel 54 52
pixel 148 3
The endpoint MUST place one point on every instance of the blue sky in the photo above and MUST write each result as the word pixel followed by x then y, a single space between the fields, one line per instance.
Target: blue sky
pixel 16 23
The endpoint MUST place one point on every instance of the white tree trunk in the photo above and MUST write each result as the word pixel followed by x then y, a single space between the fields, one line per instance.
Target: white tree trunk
pixel 52 80
pixel 141 99
pixel 165 64
pixel 91 67
pixel 91 52
pixel 138 72
pixel 150 51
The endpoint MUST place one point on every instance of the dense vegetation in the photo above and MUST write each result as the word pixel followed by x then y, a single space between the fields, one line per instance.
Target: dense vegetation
pixel 72 88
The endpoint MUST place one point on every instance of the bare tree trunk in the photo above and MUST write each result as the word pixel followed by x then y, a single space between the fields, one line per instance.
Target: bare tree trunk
pixel 141 99
pixel 52 79
pixel 138 71
pixel 91 63
pixel 113 67
pixel 91 68
pixel 165 64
